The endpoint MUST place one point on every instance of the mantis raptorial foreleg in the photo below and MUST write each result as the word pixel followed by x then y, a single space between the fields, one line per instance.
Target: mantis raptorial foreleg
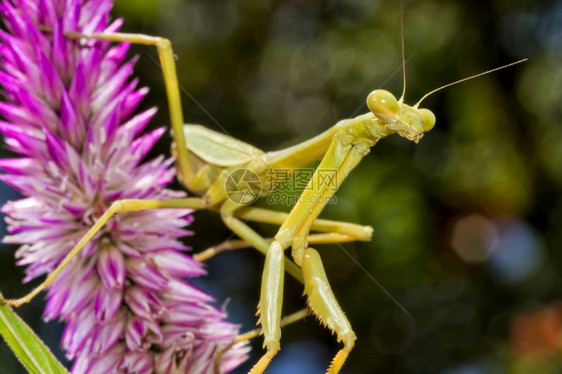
pixel 355 156
pixel 323 303
pixel 342 156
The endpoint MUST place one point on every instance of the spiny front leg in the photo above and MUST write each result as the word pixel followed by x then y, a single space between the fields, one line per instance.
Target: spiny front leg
pixel 269 308
pixel 321 299
pixel 323 304
pixel 338 174
pixel 337 152
pixel 272 284
pixel 271 295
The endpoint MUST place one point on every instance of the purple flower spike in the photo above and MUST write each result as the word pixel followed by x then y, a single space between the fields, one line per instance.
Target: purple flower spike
pixel 67 111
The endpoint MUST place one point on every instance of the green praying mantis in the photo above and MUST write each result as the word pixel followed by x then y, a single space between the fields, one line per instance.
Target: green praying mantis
pixel 227 175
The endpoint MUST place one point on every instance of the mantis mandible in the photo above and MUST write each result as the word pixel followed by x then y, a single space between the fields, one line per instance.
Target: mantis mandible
pixel 211 165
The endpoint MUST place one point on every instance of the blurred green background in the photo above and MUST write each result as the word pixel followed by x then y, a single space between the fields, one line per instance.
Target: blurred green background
pixel 467 222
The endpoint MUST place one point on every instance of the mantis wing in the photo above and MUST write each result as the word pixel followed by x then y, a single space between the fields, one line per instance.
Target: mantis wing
pixel 218 149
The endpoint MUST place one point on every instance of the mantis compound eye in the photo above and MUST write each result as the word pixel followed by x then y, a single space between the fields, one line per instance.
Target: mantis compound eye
pixel 428 119
pixel 383 104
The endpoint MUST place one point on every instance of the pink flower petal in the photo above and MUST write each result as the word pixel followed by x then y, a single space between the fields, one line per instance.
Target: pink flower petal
pixel 111 267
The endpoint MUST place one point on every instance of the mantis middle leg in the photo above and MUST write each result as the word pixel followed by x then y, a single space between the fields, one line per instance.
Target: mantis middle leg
pixel 327 238
pixel 359 232
pixel 332 231
pixel 166 56
pixel 117 207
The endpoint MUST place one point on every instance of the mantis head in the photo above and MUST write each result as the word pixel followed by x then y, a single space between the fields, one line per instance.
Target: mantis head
pixel 397 117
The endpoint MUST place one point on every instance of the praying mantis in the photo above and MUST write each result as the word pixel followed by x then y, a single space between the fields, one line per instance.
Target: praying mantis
pixel 208 162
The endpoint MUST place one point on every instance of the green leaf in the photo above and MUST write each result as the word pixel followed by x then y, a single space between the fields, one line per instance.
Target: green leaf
pixel 27 346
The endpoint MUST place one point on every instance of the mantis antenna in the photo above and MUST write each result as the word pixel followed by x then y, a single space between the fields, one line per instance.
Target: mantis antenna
pixel 403 53
pixel 466 79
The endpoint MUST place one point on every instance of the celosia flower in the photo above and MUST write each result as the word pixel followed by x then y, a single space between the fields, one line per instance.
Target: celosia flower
pixel 68 112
